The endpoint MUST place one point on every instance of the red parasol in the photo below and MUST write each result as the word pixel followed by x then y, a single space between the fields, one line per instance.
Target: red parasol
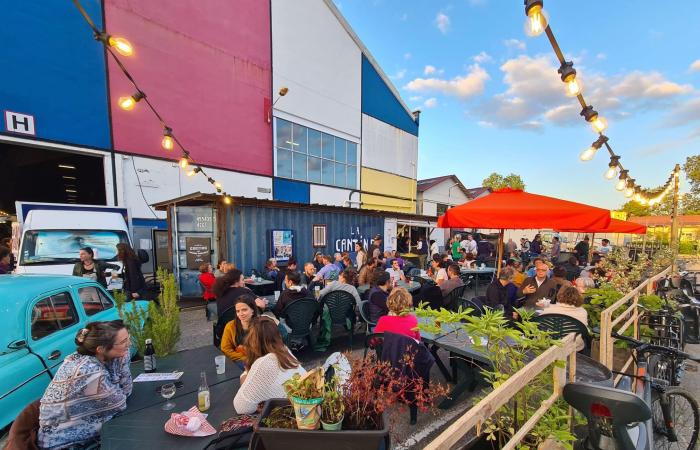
pixel 615 226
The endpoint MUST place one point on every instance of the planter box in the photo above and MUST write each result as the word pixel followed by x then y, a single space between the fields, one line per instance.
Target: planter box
pixel 286 439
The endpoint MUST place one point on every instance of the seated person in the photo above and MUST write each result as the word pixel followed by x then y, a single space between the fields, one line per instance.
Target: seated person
pixel 269 364
pixel 366 271
pixel 569 303
pixel 400 320
pixel 439 274
pixel 537 287
pixel 318 261
pixel 584 282
pixel 338 261
pixel 328 272
pixel 90 387
pixel 293 292
pixel 345 282
pixel 271 269
pixel 207 279
pixel 347 262
pixel 467 260
pixel 572 269
pixel 236 330
pixel 229 287
pixel 517 267
pixel 395 272
pixel 378 296
pixel 497 291
pixel 307 277
pixel 453 280
pixel 560 281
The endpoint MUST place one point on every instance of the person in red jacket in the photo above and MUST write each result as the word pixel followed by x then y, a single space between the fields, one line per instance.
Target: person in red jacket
pixel 207 279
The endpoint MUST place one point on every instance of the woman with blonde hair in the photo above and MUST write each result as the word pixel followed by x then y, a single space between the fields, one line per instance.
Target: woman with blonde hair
pixel 400 320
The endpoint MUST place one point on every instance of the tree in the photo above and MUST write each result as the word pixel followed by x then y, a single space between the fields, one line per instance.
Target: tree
pixel 497 181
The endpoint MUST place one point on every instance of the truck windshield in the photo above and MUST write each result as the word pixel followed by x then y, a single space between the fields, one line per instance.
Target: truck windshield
pixel 63 246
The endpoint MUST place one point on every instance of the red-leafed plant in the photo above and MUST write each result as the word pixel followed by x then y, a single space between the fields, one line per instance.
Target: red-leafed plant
pixel 374 386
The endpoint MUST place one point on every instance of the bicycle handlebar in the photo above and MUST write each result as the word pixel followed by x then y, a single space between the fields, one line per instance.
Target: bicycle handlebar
pixel 652 348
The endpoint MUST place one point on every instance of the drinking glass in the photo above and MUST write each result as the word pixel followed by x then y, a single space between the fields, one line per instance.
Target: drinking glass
pixel 168 391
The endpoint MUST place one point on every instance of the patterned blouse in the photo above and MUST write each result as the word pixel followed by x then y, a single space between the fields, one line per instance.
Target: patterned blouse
pixel 83 395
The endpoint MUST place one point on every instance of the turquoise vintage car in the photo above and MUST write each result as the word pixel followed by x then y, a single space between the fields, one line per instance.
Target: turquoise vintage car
pixel 39 318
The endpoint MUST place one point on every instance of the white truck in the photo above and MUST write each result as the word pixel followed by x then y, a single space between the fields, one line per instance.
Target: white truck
pixel 51 235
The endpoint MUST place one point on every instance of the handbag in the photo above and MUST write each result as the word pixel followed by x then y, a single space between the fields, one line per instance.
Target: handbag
pixel 234 433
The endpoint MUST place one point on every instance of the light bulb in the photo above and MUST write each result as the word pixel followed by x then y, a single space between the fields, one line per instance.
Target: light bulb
pixel 227 199
pixel 184 162
pixel 536 21
pixel 629 192
pixel 573 86
pixel 167 142
pixel 191 173
pixel 637 197
pixel 217 185
pixel 127 103
pixel 588 153
pixel 121 45
pixel 610 173
pixel 643 201
pixel 621 183
pixel 599 124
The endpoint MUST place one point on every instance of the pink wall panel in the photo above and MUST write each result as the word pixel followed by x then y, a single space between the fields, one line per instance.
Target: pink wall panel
pixel 206 66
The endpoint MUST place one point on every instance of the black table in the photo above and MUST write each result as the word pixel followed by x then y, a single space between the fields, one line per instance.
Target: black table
pixel 485 271
pixel 145 428
pixel 430 339
pixel 192 363
pixel 262 287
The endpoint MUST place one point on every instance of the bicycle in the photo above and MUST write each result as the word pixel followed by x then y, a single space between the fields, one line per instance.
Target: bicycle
pixel 654 415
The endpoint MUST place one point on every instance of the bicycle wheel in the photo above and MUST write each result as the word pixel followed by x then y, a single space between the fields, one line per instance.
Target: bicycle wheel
pixel 685 419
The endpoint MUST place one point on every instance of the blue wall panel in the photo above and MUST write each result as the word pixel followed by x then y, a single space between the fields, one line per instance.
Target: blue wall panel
pixel 54 70
pixel 249 232
pixel 380 102
pixel 290 191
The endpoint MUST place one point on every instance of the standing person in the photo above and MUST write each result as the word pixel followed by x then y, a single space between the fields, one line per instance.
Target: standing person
pixel 207 280
pixel 90 387
pixel 422 251
pixel 399 320
pixel 7 242
pixel 605 247
pixel 360 255
pixel 454 247
pixel 90 268
pixel 524 246
pixel 5 267
pixel 536 245
pixel 235 331
pixel 134 282
pixel 581 250
pixel 375 250
pixel 470 245
pixel 556 249
pixel 434 248
pixel 484 250
pixel 269 364
pixel 511 247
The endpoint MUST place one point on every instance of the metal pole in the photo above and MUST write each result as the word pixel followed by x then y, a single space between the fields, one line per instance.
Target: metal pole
pixel 674 219
pixel 499 253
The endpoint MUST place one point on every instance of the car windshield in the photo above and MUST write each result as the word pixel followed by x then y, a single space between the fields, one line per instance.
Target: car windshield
pixel 63 246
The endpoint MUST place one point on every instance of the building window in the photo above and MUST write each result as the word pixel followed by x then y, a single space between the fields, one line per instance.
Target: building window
pixel 310 155
pixel 319 238
pixel 442 208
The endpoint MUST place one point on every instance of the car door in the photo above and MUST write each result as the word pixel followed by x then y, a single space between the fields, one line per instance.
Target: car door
pixel 52 325
pixel 95 303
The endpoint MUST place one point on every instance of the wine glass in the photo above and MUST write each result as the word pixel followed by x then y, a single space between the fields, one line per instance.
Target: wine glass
pixel 167 391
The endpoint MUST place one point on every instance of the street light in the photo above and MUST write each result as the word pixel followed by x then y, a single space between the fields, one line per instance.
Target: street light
pixel 282 92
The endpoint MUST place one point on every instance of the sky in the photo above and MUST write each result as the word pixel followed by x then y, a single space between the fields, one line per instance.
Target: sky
pixel 492 100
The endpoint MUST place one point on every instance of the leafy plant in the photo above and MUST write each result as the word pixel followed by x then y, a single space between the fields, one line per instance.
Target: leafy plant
pixel 135 319
pixel 281 417
pixel 164 326
pixel 332 407
pixel 307 386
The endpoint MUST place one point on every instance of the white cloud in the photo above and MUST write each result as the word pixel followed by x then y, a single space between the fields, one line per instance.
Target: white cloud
pixel 514 44
pixel 442 21
pixel 482 58
pixel 398 75
pixel 430 103
pixel 601 56
pixel 416 98
pixel 407 56
pixel 647 85
pixel 485 124
pixel 695 66
pixel 432 70
pixel 463 87
pixel 685 113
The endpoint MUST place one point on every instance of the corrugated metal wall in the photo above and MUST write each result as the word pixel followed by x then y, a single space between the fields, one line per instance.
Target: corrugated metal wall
pixel 249 232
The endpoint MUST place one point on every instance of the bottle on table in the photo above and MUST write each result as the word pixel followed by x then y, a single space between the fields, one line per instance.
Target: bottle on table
pixel 149 357
pixel 203 400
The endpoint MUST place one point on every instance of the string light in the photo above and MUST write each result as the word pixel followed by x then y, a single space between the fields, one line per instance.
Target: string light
pixel 128 103
pixel 590 152
pixel 598 123
pixel 622 181
pixel 184 162
pixel 168 143
pixel 536 18
pixel 612 168
pixel 121 45
pixel 568 76
pixel 194 172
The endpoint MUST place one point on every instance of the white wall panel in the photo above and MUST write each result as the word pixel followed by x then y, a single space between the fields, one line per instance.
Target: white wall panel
pixel 445 192
pixel 318 61
pixel 164 180
pixel 326 195
pixel 388 148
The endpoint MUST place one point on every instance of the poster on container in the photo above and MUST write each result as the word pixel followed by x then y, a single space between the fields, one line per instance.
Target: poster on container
pixel 282 245
pixel 198 251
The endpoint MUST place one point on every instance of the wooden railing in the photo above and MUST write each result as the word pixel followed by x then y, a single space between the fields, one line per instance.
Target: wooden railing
pixel 499 397
pixel 631 317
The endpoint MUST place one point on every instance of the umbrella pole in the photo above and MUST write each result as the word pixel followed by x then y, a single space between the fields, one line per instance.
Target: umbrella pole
pixel 590 249
pixel 499 253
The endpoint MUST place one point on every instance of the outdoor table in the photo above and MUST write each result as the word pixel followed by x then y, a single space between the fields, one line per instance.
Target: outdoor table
pixel 145 428
pixel 429 339
pixel 478 271
pixel 192 363
pixel 410 287
pixel 258 287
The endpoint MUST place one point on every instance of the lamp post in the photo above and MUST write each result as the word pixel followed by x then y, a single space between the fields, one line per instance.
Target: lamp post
pixel 282 92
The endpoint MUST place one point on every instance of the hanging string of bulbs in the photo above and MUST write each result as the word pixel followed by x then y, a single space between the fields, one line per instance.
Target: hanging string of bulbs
pixel 537 23
pixel 122 46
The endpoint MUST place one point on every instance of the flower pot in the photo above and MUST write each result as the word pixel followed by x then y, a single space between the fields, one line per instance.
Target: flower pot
pixel 307 412
pixel 285 439
pixel 332 426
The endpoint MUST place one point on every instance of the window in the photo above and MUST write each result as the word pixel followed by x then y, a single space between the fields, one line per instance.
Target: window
pixel 319 238
pixel 93 300
pixel 45 247
pixel 441 209
pixel 52 314
pixel 306 154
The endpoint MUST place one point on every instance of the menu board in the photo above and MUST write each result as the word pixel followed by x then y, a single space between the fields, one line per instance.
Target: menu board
pixel 198 251
pixel 282 244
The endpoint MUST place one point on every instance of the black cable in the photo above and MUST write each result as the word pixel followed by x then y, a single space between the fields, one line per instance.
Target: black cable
pixel 138 180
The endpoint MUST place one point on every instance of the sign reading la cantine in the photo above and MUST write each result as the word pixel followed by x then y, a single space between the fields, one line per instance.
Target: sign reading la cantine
pixel 198 251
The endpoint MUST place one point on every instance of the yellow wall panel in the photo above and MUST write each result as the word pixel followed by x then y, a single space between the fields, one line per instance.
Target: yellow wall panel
pixel 377 186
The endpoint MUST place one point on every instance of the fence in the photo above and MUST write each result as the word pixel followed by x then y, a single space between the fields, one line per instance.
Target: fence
pixel 631 314
pixel 499 397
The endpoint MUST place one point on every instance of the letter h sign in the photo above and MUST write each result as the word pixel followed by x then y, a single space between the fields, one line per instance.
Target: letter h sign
pixel 19 123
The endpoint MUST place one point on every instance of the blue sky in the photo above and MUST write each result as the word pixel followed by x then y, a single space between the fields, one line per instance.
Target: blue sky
pixel 492 100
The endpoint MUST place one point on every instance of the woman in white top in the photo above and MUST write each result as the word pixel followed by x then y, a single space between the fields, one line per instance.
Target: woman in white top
pixel 569 303
pixel 269 363
pixel 439 274
pixel 361 257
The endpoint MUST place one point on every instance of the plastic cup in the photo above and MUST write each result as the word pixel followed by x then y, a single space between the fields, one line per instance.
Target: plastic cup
pixel 220 362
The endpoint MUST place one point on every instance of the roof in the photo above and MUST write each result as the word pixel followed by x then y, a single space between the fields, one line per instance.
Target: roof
pixel 428 183
pixel 652 221
pixel 477 192
pixel 336 12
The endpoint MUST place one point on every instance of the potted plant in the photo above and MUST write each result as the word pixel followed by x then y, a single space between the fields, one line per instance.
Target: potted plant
pixel 305 392
pixel 332 408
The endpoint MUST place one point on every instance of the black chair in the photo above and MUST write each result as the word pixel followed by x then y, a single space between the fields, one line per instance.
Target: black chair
pixel 451 300
pixel 221 321
pixel 341 308
pixel 364 315
pixel 299 315
pixel 374 341
pixel 561 325
pixel 476 304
